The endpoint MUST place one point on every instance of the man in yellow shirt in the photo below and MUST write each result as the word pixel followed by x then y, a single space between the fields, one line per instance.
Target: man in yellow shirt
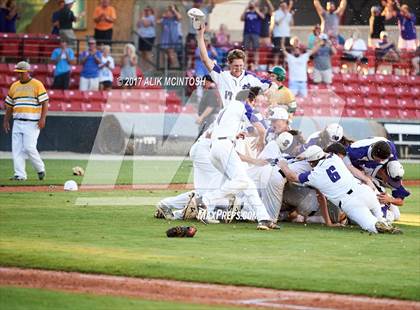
pixel 104 17
pixel 27 101
pixel 278 94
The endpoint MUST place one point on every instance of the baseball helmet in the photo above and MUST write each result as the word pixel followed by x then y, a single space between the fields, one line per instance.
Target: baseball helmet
pixel 312 153
pixel 335 132
pixel 197 18
pixel 70 185
pixel 279 113
pixel 280 72
pixel 395 169
pixel 284 140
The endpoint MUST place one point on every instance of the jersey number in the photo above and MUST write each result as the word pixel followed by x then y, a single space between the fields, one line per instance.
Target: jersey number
pixel 228 95
pixel 333 174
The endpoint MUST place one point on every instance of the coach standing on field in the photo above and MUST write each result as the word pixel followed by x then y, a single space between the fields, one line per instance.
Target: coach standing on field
pixel 27 101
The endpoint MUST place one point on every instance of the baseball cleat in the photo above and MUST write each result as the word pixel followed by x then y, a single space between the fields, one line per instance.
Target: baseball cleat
pixel 267 225
pixel 41 175
pixel 190 210
pixel 232 210
pixel 164 212
pixel 384 228
pixel 16 178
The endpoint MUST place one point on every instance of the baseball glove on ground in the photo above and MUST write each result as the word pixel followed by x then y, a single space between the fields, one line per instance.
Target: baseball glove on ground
pixel 78 171
pixel 181 231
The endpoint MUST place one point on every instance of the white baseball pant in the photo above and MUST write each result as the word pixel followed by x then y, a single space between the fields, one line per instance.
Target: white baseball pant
pixel 362 206
pixel 24 140
pixel 225 159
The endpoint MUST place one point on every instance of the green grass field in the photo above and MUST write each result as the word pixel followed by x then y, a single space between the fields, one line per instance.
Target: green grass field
pixel 48 231
pixel 138 172
pixel 19 298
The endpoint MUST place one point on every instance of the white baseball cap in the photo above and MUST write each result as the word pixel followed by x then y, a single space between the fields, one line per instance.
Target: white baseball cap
pixel 312 153
pixel 284 140
pixel 68 1
pixel 197 17
pixel 395 169
pixel 70 185
pixel 335 132
pixel 279 113
pixel 323 36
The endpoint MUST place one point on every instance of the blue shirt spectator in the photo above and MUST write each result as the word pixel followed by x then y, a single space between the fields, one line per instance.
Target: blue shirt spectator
pixel 63 60
pixel 91 66
pixel 407 26
pixel 252 22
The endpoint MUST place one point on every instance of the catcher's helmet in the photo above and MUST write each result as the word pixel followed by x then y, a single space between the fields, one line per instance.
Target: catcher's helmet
pixel 284 140
pixel 280 72
pixel 395 169
pixel 335 132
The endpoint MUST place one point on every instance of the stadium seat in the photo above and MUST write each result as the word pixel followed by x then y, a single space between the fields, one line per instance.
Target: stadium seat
pixel 10 45
pixel 172 108
pixel 152 108
pixel 73 106
pixel 367 80
pixel 92 106
pixel 189 109
pixel 57 95
pixel 40 69
pixel 338 89
pixel 368 90
pixel 131 107
pixel 406 104
pixel 95 96
pixel 54 105
pixel 407 114
pixel 373 113
pixel 413 80
pixel 382 80
pixel 350 79
pixel 6 68
pixel 76 96
pixel 386 91
pixel 354 112
pixel 402 92
pixel 415 91
pixel 371 102
pixel 353 102
pixel 389 113
pixel 388 103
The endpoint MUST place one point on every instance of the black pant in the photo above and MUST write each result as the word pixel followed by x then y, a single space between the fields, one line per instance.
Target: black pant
pixel 62 81
pixel 103 36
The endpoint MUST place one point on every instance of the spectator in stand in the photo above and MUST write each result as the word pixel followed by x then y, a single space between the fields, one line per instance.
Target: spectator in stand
pixel 56 25
pixel 209 104
pixel 170 36
pixel 11 15
pixel 147 34
pixel 253 18
pixel 298 70
pixel 222 37
pixel 407 25
pixel 377 23
pixel 104 17
pixel 283 19
pixel 330 18
pixel 313 37
pixel 322 60
pixel 267 9
pixel 129 63
pixel 66 19
pixel 386 50
pixel 90 59
pixel 191 38
pixel 416 62
pixel 354 49
pixel 107 65
pixel 63 58
pixel 3 13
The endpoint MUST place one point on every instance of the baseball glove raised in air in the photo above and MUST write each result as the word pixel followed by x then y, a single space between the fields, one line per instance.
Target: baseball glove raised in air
pixel 181 231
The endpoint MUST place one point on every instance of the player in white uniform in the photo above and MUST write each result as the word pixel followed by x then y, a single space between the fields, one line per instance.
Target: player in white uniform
pixel 227 129
pixel 332 178
pixel 230 82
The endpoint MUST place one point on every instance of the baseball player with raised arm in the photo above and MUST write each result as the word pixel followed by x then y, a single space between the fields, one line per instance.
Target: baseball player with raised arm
pixel 331 177
pixel 27 101
pixel 227 129
pixel 230 82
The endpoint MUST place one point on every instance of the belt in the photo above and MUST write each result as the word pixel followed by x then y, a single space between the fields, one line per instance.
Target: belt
pixel 282 173
pixel 26 120
pixel 222 138
pixel 348 193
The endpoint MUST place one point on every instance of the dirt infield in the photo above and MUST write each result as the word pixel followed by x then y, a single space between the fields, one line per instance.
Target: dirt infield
pixel 189 292
pixel 86 188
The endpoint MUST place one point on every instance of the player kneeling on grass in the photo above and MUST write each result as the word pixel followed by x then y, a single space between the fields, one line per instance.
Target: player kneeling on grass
pixel 331 177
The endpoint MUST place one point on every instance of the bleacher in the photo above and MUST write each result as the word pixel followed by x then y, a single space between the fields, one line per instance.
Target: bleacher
pixel 373 96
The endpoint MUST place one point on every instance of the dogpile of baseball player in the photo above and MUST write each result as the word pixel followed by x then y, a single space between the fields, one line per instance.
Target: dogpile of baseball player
pixel 250 164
